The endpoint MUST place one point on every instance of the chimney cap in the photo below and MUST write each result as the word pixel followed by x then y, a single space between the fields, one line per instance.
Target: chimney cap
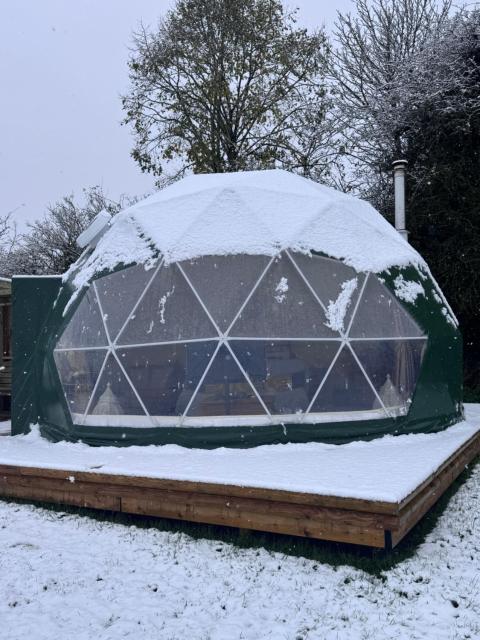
pixel 400 164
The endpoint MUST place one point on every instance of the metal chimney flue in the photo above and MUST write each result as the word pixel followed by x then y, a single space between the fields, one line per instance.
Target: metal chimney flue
pixel 399 167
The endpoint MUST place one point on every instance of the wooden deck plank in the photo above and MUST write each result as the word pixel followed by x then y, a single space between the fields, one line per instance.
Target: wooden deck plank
pixel 162 497
pixel 63 497
pixel 251 513
pixel 322 528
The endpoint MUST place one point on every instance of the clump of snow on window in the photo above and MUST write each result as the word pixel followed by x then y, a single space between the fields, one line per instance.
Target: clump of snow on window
pixel 281 290
pixel 437 297
pixel 408 290
pixel 337 309
pixel 162 302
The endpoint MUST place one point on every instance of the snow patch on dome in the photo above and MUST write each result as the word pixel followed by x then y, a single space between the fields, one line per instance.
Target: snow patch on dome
pixel 408 290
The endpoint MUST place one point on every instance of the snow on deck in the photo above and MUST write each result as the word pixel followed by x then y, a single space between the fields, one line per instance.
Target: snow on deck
pixel 386 469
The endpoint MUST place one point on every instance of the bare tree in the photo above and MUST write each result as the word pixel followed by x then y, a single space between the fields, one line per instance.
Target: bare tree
pixel 441 141
pixel 224 85
pixel 8 241
pixel 373 48
pixel 408 79
pixel 49 247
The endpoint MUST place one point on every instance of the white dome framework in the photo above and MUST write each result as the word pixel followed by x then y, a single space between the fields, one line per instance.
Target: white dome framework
pixel 238 340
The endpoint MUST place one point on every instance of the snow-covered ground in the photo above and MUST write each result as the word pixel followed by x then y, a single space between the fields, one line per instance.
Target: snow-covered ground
pixel 65 576
pixel 68 576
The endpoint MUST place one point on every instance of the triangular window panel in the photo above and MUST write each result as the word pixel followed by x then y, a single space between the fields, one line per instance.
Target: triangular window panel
pixel 169 311
pixel 224 282
pixel 78 371
pixel 286 374
pixel 346 389
pixel 166 376
pixel 113 397
pixel 85 328
pixel 118 294
pixel 393 367
pixel 380 315
pixel 282 306
pixel 225 391
pixel 337 285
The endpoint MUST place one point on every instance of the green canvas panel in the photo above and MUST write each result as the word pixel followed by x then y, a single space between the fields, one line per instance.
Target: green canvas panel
pixel 38 320
pixel 33 300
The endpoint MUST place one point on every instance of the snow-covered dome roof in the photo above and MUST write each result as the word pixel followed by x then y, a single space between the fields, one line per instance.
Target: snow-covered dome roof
pixel 254 212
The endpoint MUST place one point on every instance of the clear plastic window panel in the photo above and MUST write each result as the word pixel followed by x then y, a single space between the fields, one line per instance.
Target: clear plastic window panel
pixel 380 315
pixel 337 285
pixel 293 361
pixel 393 367
pixel 114 399
pixel 346 389
pixel 166 376
pixel 169 311
pixel 286 374
pixel 78 371
pixel 282 307
pixel 225 390
pixel 224 282
pixel 119 292
pixel 85 328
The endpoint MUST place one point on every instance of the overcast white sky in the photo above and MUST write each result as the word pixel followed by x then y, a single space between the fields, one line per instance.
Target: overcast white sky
pixel 63 65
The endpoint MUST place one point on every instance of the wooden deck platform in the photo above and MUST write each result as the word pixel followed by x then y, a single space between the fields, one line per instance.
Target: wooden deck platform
pixel 357 521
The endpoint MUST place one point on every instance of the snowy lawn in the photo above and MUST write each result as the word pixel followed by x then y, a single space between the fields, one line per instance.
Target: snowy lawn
pixel 72 576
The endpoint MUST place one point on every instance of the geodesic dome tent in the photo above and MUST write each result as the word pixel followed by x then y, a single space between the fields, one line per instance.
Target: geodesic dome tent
pixel 239 309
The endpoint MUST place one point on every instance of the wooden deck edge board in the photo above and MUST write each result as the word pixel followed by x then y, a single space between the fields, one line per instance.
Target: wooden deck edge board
pixel 192 499
pixel 424 500
pixel 229 490
pixel 472 443
pixel 341 530
pixel 320 530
